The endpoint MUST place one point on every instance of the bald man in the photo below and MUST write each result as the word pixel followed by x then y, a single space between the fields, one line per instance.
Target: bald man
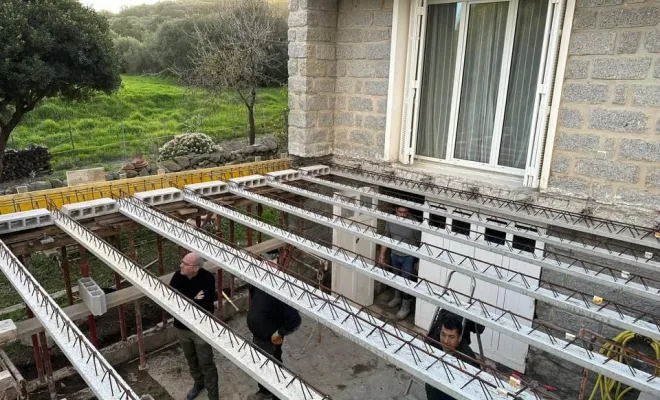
pixel 197 284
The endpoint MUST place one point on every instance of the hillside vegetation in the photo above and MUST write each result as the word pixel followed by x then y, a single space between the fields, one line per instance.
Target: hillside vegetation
pixel 144 114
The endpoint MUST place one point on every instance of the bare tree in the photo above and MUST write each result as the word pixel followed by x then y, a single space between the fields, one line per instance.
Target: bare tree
pixel 238 49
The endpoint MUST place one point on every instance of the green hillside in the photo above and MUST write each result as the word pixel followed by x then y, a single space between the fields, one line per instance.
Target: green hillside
pixel 144 114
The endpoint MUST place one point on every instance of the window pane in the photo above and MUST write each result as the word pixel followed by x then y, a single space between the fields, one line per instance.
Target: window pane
pixel 437 79
pixel 481 76
pixel 523 81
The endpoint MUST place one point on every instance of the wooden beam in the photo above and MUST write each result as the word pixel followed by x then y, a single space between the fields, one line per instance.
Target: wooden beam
pixel 7 331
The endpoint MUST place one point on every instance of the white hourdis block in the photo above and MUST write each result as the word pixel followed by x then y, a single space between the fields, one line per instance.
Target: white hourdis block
pixel 248 182
pixel 90 209
pixel 315 170
pixel 211 188
pixel 160 196
pixel 92 296
pixel 23 220
pixel 284 175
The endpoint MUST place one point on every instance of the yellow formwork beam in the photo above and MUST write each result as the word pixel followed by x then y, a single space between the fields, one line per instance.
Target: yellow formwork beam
pixel 67 195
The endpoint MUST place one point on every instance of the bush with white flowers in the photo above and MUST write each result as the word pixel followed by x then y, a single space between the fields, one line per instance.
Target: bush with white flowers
pixel 187 143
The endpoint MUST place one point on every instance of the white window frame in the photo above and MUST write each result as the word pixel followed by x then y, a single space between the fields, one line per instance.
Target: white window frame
pixel 408 86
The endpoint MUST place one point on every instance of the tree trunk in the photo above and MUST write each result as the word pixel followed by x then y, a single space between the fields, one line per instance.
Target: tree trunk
pixel 253 127
pixel 5 131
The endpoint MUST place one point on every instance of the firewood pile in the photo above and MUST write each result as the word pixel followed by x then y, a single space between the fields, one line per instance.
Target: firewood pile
pixel 31 161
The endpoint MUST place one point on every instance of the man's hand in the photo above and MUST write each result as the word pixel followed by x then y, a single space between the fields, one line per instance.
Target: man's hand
pixel 200 295
pixel 276 339
pixel 381 259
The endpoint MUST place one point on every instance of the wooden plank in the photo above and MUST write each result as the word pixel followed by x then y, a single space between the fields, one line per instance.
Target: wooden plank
pixel 115 299
pixel 7 331
pixel 7 382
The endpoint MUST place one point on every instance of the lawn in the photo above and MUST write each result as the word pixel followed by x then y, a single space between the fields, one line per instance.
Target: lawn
pixel 145 113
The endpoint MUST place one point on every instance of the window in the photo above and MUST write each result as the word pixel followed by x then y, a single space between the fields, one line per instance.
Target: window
pixel 478 81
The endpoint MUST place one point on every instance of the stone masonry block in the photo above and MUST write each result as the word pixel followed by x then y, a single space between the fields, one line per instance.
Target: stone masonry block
pixel 324 85
pixel 628 17
pixel 590 43
pixel 313 68
pixel 657 127
pixel 315 34
pixel 602 193
pixel 368 69
pixel 621 68
pixel 640 150
pixel 577 69
pixel 325 119
pixel 648 95
pixel 585 93
pixel 350 35
pixel 355 18
pixel 360 104
pixel 376 88
pixel 383 18
pixel 652 43
pixel 375 123
pixel 313 102
pixel 368 4
pixel 323 5
pixel 292 66
pixel 568 186
pixel 364 138
pixel 640 197
pixel 344 119
pixel 294 5
pixel 620 94
pixel 618 121
pixel 370 51
pixel 377 35
pixel 302 119
pixel 653 178
pixel 597 3
pixel 382 106
pixel 560 164
pixel 656 71
pixel 628 42
pixel 576 142
pixel 584 19
pixel 608 170
pixel 569 118
pixel 299 84
pixel 345 85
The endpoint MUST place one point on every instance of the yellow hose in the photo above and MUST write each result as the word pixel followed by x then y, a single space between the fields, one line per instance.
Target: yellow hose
pixel 608 388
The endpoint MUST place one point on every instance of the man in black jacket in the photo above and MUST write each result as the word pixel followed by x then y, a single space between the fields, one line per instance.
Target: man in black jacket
pixel 448 330
pixel 269 320
pixel 197 284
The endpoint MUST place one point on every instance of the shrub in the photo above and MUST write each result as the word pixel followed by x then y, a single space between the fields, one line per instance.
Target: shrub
pixel 187 143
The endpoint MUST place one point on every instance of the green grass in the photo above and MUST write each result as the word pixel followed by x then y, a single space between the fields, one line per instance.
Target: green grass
pixel 144 114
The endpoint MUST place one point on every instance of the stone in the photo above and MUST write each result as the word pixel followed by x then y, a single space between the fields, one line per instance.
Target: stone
pixel 640 150
pixel 657 127
pixel 568 186
pixel 368 69
pixel 131 173
pixel 302 119
pixel 620 94
pixel 362 137
pixel 653 178
pixel 656 71
pixel 618 121
pixel 577 69
pixel 592 43
pixel 597 3
pixel 109 176
pixel 629 17
pixel 143 172
pixel 569 118
pixel 84 176
pixel 376 35
pixel 382 106
pixel 344 119
pixel 376 88
pixel 375 123
pixel 218 156
pixel 383 18
pixel 368 4
pixel 313 102
pixel 356 18
pixel 652 43
pixel 576 142
pixel 11 190
pixel 628 42
pixel 199 158
pixel 560 164
pixel 325 119
pixel 56 183
pixel 646 95
pixel 183 161
pixel 39 185
pixel 602 193
pixel 610 144
pixel 152 168
pixel 639 197
pixel 585 93
pixel 621 68
pixel 584 19
pixel 171 166
pixel 360 104
pixel 608 170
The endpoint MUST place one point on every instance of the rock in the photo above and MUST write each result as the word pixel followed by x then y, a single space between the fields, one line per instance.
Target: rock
pixel 11 190
pixel 39 185
pixel 248 150
pixel 197 160
pixel 109 176
pixel 203 163
pixel 144 172
pixel 56 183
pixel 218 156
pixel 270 144
pixel 171 166
pixel 131 173
pixel 152 168
pixel 183 161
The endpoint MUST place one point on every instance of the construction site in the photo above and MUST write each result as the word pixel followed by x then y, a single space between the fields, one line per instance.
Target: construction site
pixel 327 231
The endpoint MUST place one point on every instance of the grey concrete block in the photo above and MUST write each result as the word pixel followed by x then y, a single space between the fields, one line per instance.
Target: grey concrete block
pixel 608 170
pixel 629 17
pixel 376 88
pixel 375 123
pixel 568 186
pixel 584 19
pixel 360 104
pixel 618 121
pixel 577 142
pixel 621 68
pixel 590 43
pixel 653 178
pixel 648 95
pixel 620 94
pixel 160 196
pixel 23 220
pixel 597 3
pixel 577 69
pixel 639 197
pixel 652 43
pixel 92 296
pixel 93 208
pixel 569 118
pixel 210 188
pixel 641 150
pixel 585 93
pixel 560 164
pixel 364 138
pixel 628 42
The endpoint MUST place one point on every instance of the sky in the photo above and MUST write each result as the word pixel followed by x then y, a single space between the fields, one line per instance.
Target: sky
pixel 114 5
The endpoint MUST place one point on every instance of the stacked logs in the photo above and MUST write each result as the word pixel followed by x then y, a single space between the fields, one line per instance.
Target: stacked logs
pixel 31 161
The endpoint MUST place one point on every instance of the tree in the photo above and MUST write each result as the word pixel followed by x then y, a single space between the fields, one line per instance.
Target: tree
pixel 173 44
pixel 51 48
pixel 237 50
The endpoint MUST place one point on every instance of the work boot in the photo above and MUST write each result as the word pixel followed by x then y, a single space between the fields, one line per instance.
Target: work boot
pixel 405 309
pixel 194 392
pixel 396 300
pixel 260 396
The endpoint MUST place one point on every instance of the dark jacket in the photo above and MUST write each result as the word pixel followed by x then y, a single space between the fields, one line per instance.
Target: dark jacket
pixel 267 315
pixel 470 326
pixel 204 281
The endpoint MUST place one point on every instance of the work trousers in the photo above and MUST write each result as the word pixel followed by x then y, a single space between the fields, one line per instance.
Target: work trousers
pixel 404 266
pixel 270 348
pixel 199 355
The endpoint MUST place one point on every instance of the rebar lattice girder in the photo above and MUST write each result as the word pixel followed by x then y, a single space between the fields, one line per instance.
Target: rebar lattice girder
pixel 99 375
pixel 504 322
pixel 243 353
